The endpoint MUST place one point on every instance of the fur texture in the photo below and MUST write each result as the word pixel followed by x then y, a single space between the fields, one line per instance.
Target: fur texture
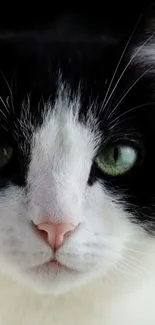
pixel 68 92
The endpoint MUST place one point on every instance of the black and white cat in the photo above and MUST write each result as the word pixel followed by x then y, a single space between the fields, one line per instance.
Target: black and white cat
pixel 77 171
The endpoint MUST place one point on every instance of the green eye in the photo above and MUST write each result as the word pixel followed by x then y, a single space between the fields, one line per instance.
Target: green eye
pixel 5 155
pixel 117 160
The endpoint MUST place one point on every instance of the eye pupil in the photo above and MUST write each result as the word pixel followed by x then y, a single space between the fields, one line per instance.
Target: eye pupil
pixel 115 154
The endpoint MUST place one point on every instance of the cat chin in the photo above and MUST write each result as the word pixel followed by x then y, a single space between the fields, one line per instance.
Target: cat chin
pixel 53 280
pixel 56 280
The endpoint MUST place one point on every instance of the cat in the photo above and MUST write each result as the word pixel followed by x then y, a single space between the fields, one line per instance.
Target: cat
pixel 77 193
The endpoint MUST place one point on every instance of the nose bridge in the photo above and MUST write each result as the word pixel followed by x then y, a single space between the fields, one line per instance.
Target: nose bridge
pixel 64 201
pixel 62 175
pixel 56 195
pixel 55 177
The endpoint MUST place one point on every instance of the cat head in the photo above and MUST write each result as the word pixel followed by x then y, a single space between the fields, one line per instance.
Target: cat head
pixel 76 154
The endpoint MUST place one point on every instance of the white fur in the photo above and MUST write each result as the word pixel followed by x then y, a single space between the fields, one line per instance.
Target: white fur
pixel 143 53
pixel 106 254
pixel 125 296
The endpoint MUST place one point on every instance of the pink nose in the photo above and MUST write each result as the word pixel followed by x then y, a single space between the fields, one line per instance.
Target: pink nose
pixel 55 234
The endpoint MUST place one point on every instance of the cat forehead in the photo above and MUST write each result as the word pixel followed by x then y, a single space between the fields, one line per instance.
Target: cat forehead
pixel 57 127
pixel 63 147
pixel 61 126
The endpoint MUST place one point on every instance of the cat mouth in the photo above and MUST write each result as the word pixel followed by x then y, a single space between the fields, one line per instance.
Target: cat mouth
pixel 56 264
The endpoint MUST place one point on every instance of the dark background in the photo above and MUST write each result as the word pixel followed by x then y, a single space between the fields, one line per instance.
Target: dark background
pixel 26 14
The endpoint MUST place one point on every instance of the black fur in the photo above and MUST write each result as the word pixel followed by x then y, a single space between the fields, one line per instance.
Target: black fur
pixel 85 49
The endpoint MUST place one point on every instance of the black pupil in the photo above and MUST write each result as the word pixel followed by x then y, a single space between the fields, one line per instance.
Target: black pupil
pixel 115 154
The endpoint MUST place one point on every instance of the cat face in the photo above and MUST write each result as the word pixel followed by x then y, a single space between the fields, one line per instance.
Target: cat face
pixel 76 147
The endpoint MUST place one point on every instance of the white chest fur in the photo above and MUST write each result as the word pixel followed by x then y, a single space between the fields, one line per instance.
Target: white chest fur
pixel 95 304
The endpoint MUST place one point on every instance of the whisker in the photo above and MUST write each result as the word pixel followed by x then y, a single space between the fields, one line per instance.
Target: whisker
pixel 120 60
pixel 133 261
pixel 9 88
pixel 130 110
pixel 131 87
pixel 2 113
pixel 1 99
pixel 123 270
pixel 132 270
pixel 126 67
pixel 131 265
pixel 119 97
pixel 135 251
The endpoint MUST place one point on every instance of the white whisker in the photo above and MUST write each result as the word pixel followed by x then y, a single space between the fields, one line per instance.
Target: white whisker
pixel 1 99
pixel 131 87
pixel 135 251
pixel 11 94
pixel 126 67
pixel 133 263
pixel 123 270
pixel 129 111
pixel 120 60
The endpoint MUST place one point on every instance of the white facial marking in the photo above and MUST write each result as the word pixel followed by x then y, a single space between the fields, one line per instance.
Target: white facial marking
pixel 62 153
